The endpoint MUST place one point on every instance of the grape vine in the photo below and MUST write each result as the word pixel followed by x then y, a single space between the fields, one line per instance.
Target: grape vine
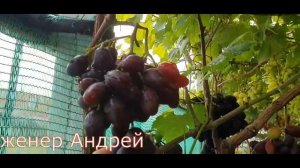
pixel 251 61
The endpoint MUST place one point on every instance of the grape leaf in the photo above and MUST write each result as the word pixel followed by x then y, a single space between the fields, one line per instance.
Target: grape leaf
pixel 251 114
pixel 293 59
pixel 231 86
pixel 170 125
pixel 124 17
pixel 234 49
pixel 263 20
pixel 297 34
pixel 151 39
pixel 139 50
pixel 239 48
pixel 136 18
pixel 186 73
pixel 205 20
pixel 200 112
pixel 272 46
pixel 140 34
pixel 229 33
pixel 181 24
pixel 291 19
pixel 160 51
pixel 169 39
pixel 159 36
pixel 183 44
pixel 160 26
pixel 174 54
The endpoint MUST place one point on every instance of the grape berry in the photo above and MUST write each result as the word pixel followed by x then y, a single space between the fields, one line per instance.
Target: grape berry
pixel 77 65
pixel 274 144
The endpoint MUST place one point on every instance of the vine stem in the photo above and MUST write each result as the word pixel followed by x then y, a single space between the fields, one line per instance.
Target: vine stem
pixel 133 38
pixel 136 27
pixel 212 35
pixel 90 50
pixel 207 95
pixel 189 106
pixel 198 134
pixel 98 22
pixel 286 120
pixel 152 59
pixel 108 19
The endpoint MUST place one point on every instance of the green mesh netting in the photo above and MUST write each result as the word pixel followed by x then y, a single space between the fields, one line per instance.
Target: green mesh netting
pixel 37 97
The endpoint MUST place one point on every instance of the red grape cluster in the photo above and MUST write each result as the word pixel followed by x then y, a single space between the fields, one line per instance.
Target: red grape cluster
pixel 119 92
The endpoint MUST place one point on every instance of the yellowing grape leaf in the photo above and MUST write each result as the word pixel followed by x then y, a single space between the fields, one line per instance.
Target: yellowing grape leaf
pixel 124 17
pixel 139 50
pixel 140 34
pixel 160 51
pixel 151 39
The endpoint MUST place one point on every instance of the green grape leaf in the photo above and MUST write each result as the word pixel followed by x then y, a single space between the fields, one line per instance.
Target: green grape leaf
pixel 181 24
pixel 231 87
pixel 234 49
pixel 160 26
pixel 251 114
pixel 230 33
pixel 159 36
pixel 186 73
pixel 238 49
pixel 169 39
pixel 293 59
pixel 170 126
pixel 200 112
pixel 297 34
pixel 239 44
pixel 183 45
pixel 205 20
pixel 294 19
pixel 271 47
pixel 174 54
pixel 193 31
pixel 263 20
pixel 214 49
